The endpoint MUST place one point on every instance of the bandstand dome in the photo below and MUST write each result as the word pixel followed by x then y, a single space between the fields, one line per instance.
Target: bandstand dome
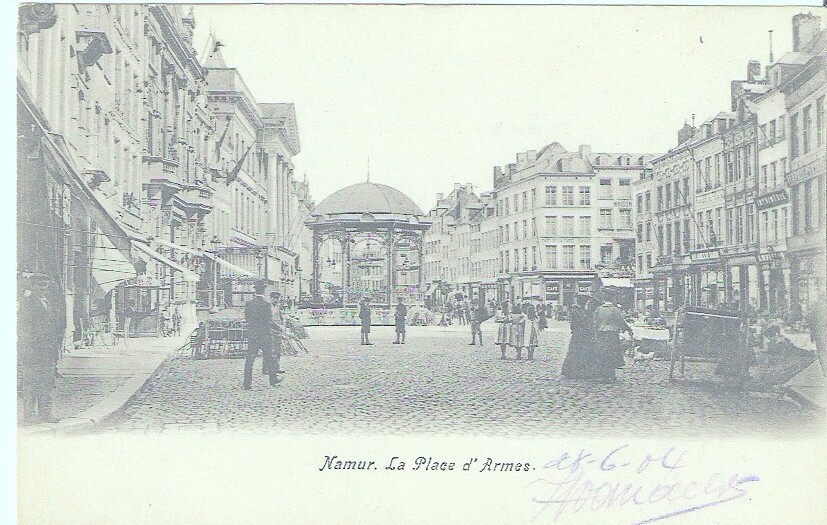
pixel 368 198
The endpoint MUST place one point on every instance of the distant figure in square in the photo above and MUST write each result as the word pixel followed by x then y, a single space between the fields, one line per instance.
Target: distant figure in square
pixel 479 314
pixel 364 316
pixel 258 314
pixel 176 321
pixel 516 333
pixel 531 327
pixel 505 322
pixel 399 319
pixel 542 319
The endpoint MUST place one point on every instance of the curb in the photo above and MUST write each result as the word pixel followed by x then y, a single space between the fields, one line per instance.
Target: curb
pixel 104 410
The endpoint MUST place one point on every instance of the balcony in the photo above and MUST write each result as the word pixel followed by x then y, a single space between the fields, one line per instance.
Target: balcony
pixel 195 200
pixel 161 176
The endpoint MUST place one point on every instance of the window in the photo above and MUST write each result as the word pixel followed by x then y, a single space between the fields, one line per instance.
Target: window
pixel 568 195
pixel 660 198
pixel 660 239
pixel 794 136
pixel 806 124
pixel 605 219
pixel 605 189
pixel 525 200
pixel 648 231
pixel 782 130
pixel 505 207
pixel 770 132
pixel 507 261
pixel 699 177
pixel 533 257
pixel 585 257
pixel 639 203
pixel 585 226
pixel 765 225
pixel 626 219
pixel 684 198
pixel 625 191
pixel 763 184
pixel 728 167
pixel 785 224
pixel 568 226
pixel 648 201
pixel 507 232
pixel 516 231
pixel 648 260
pixel 808 205
pixel 516 202
pixel 668 248
pixel 568 257
pixel 677 226
pixel 687 239
pixel 783 169
pixel 763 138
pixel 639 264
pixel 551 195
pixel 533 227
pixel 525 259
pixel 551 257
pixel 820 121
pixel 525 229
pixel 750 155
pixel 717 169
pixel 551 226
pixel 739 225
pixel 533 198
pixel 606 254
pixel 640 233
pixel 516 260
pixel 668 189
pixel 774 227
pixel 707 173
pixel 585 196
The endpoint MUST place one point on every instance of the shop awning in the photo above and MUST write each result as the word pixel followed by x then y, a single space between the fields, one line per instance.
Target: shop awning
pixel 189 276
pixel 185 249
pixel 109 266
pixel 230 266
pixel 617 282
pixel 432 289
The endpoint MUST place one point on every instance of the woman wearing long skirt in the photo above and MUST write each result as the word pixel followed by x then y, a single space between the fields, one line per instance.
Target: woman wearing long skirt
pixel 516 333
pixel 542 321
pixel 503 331
pixel 580 361
pixel 532 329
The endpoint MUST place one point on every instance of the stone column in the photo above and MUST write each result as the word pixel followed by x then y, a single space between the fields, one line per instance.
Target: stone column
pixel 391 262
pixel 314 282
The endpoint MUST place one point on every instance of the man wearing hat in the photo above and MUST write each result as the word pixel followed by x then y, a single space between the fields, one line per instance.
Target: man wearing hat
pixel 41 322
pixel 364 316
pixel 279 330
pixel 258 314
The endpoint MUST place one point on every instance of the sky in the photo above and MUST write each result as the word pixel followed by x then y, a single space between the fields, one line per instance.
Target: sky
pixel 434 95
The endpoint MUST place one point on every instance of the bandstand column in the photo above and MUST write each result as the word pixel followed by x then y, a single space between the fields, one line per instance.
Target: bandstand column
pixel 314 280
pixel 391 262
pixel 345 266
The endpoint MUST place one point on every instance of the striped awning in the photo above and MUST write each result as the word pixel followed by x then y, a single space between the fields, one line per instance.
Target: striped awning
pixel 189 276
pixel 109 265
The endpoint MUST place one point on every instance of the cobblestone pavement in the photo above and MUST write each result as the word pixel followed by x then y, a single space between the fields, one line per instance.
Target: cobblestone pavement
pixel 436 383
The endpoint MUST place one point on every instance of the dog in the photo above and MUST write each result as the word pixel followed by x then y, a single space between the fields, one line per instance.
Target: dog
pixel 644 358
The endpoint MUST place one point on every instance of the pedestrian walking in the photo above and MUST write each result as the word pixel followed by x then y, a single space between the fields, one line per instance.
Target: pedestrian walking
pixel 580 361
pixel 516 333
pixel 609 322
pixel 258 315
pixel 542 319
pixel 364 316
pixel 279 333
pixel 469 311
pixel 399 315
pixel 449 312
pixel 532 329
pixel 128 314
pixel 817 321
pixel 176 321
pixel 479 314
pixel 503 331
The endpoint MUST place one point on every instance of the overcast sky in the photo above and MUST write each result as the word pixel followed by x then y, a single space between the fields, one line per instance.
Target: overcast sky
pixel 436 95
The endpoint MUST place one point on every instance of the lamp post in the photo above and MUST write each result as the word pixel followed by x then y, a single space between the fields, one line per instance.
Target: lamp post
pixel 215 241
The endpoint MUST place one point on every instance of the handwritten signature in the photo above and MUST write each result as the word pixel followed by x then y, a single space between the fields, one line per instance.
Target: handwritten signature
pixel 585 481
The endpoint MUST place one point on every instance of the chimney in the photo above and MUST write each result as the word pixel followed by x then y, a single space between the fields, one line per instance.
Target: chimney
pixel 531 155
pixel 564 164
pixel 685 133
pixel 439 197
pixel 511 169
pixel 805 27
pixel 585 150
pixel 753 70
pixel 521 158
pixel 457 186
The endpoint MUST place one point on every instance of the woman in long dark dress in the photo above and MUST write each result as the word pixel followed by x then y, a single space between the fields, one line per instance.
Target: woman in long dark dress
pixel 504 329
pixel 580 362
pixel 399 316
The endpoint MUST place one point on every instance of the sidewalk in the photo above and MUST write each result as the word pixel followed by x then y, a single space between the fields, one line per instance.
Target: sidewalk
pixel 809 385
pixel 95 382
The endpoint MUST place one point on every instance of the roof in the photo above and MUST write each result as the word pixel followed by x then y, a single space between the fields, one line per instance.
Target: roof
pixel 368 197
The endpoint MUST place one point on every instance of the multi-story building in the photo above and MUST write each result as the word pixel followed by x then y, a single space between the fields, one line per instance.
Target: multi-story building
pixel 805 92
pixel 485 250
pixel 646 251
pixel 446 257
pixel 565 221
pixel 130 158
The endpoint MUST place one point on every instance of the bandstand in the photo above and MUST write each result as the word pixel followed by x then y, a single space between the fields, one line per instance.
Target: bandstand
pixel 359 218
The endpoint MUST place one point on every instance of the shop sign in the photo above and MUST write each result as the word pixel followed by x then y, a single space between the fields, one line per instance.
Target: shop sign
pixel 624 204
pixel 772 199
pixel 584 286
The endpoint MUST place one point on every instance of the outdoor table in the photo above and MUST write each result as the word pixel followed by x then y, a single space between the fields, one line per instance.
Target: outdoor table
pixel 641 332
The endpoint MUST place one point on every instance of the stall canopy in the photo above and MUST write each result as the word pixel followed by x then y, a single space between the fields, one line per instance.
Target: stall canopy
pixel 109 266
pixel 617 282
pixel 431 289
pixel 189 276
pixel 229 266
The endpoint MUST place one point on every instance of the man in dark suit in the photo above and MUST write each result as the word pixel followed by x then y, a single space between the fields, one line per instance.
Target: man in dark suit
pixel 258 314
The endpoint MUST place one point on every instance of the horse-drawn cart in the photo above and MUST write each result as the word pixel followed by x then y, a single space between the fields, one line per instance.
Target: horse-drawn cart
pixel 705 334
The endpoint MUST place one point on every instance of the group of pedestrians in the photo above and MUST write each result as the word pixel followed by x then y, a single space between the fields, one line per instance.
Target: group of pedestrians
pixel 595 351
pixel 520 325
pixel 265 331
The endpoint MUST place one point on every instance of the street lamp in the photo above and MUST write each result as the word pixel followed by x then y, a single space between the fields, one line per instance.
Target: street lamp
pixel 215 241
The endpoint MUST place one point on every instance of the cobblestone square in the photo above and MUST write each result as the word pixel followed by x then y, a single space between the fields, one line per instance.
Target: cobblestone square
pixel 437 383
